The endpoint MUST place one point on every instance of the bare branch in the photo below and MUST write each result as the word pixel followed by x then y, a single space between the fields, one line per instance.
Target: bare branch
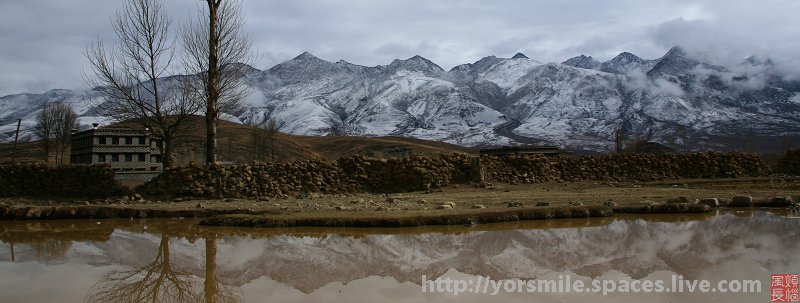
pixel 217 53
pixel 133 74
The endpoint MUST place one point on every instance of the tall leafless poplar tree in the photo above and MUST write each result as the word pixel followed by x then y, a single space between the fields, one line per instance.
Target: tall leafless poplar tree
pixel 217 53
pixel 54 124
pixel 44 129
pixel 133 74
pixel 66 120
pixel 263 134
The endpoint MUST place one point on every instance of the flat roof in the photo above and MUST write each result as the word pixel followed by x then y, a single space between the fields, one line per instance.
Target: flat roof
pixel 111 130
pixel 522 149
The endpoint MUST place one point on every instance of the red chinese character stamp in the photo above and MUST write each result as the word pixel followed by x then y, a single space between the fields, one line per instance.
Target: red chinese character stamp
pixel 784 288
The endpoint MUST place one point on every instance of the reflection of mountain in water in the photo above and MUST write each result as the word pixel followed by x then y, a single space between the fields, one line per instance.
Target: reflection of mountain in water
pixel 634 247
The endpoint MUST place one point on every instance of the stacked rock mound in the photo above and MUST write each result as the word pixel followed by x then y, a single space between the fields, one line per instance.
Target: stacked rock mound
pixel 361 173
pixel 790 163
pixel 346 175
pixel 256 180
pixel 90 181
pixel 405 174
pixel 533 168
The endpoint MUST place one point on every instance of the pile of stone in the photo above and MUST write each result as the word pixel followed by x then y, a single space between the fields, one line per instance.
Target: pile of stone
pixel 254 181
pixel 405 174
pixel 39 180
pixel 790 163
pixel 346 175
pixel 621 167
pixel 384 175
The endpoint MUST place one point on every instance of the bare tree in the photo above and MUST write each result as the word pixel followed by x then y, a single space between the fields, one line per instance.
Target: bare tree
pixel 681 133
pixel 258 143
pixel 66 120
pixel 159 281
pixel 264 134
pixel 217 52
pixel 272 128
pixel 133 74
pixel 620 135
pixel 54 124
pixel 44 129
pixel 162 281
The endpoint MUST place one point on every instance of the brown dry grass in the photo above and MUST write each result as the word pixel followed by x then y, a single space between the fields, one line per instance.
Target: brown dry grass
pixel 236 145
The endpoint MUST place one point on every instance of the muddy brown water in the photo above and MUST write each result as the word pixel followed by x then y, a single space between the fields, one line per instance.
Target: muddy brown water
pixel 177 260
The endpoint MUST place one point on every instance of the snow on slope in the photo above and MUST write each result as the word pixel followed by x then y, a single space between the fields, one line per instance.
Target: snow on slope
pixel 502 101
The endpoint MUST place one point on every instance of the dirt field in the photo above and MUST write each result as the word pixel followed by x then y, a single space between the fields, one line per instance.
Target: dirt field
pixel 468 200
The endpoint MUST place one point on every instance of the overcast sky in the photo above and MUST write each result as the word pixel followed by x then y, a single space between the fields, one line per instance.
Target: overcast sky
pixel 42 41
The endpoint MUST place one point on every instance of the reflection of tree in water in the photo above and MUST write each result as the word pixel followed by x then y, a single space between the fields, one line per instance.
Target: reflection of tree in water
pixel 214 291
pixel 51 249
pixel 46 250
pixel 161 281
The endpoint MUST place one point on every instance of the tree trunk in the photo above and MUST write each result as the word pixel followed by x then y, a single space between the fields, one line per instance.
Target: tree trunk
pixel 212 83
pixel 210 285
pixel 167 154
pixel 211 137
pixel 46 144
pixel 272 148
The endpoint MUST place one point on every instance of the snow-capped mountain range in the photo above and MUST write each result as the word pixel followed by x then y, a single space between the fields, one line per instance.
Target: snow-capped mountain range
pixel 677 100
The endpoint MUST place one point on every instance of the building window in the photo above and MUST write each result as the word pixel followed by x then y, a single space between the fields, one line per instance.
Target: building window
pixel 155 158
pixel 141 157
pixel 101 158
pixel 114 140
pixel 128 157
pixel 128 140
pixel 115 158
pixel 141 140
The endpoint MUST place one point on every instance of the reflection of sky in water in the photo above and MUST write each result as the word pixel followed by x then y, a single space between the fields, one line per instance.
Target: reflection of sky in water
pixel 388 267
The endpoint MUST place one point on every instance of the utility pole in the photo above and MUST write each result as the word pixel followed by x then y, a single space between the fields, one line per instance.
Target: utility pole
pixel 16 138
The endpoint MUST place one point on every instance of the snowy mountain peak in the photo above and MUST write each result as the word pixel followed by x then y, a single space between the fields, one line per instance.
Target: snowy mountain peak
pixel 676 62
pixel 306 56
pixel 247 69
pixel 520 56
pixel 416 63
pixel 468 72
pixel 486 62
pixel 625 63
pixel 675 52
pixel 582 61
pixel 626 57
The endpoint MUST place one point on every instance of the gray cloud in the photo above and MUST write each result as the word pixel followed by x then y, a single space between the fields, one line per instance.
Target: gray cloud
pixel 41 41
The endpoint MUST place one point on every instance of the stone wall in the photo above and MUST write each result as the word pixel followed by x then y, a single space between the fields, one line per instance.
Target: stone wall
pixel 790 163
pixel 346 175
pixel 381 175
pixel 39 180
pixel 622 167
